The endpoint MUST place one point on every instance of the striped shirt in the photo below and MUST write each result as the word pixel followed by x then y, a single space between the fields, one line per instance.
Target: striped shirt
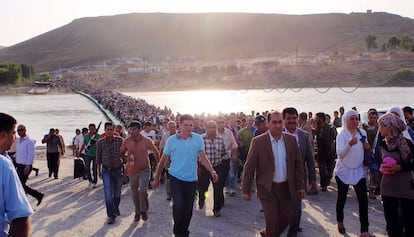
pixel 215 149
pixel 108 152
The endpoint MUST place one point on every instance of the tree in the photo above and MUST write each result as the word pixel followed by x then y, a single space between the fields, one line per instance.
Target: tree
pixel 27 70
pixel 406 42
pixel 10 73
pixel 393 42
pixel 370 41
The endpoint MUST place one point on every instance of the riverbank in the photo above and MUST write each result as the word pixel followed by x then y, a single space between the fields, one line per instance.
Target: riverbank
pixel 70 209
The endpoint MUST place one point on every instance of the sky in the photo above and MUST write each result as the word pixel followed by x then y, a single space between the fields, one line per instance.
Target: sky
pixel 24 19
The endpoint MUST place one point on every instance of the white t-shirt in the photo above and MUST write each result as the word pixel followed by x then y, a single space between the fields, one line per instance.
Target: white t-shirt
pixel 151 134
pixel 78 142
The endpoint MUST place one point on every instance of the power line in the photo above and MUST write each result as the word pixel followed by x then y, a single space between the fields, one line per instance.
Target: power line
pixel 334 84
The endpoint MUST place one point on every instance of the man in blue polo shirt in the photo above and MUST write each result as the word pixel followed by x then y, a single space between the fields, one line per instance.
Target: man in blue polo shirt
pixel 184 149
pixel 15 210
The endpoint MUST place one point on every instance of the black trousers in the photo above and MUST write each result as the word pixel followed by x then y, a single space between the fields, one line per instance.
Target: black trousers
pixel 23 179
pixel 361 193
pixel 391 213
pixel 326 167
pixel 53 163
pixel 203 183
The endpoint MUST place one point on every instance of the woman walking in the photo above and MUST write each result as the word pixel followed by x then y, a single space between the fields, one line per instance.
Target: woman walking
pixel 397 180
pixel 349 170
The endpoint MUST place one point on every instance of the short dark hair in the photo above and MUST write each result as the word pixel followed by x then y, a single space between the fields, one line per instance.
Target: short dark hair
pixel 408 109
pixel 107 124
pixel 7 123
pixel 303 116
pixel 91 125
pixel 289 110
pixel 321 116
pixel 147 123
pixel 186 117
pixel 372 111
pixel 135 124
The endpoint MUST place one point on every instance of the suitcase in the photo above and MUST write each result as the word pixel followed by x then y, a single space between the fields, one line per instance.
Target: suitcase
pixel 78 168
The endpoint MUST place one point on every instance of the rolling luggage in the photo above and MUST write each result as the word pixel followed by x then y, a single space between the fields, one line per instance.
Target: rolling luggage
pixel 78 168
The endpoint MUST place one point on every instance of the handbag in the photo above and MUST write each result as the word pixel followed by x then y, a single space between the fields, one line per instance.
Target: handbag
pixel 369 159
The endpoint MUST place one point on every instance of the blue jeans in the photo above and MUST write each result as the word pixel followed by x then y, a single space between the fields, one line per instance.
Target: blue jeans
pixel 183 194
pixel 231 179
pixel 88 160
pixel 112 184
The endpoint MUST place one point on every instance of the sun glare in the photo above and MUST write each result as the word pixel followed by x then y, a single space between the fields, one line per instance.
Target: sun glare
pixel 208 101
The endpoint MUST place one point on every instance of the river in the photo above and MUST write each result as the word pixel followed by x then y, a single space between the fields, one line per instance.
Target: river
pixel 70 111
pixel 39 113
pixel 225 101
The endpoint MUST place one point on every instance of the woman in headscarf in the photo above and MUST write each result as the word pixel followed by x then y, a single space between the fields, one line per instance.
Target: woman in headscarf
pixel 349 170
pixel 400 114
pixel 396 183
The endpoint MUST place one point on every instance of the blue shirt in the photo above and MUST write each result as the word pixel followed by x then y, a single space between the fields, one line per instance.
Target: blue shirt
pixel 13 200
pixel 184 156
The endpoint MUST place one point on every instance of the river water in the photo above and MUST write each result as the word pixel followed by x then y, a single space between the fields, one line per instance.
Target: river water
pixel 70 111
pixel 39 113
pixel 197 102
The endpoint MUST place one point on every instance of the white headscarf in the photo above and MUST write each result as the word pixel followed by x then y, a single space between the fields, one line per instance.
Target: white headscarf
pixel 347 116
pixel 400 114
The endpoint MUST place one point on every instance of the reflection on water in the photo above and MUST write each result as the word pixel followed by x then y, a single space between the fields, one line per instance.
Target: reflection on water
pixel 41 112
pixel 215 101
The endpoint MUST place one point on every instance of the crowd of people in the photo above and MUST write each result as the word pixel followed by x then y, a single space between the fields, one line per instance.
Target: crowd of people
pixel 274 153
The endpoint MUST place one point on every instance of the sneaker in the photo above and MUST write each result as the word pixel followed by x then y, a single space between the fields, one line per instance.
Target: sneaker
pixel 94 185
pixel 217 213
pixel 137 217
pixel 110 221
pixel 232 192
pixel 144 216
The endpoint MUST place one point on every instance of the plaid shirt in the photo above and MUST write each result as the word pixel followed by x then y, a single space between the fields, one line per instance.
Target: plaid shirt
pixel 108 152
pixel 215 149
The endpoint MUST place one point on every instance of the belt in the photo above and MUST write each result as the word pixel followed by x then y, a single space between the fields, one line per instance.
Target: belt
pixel 280 184
pixel 112 168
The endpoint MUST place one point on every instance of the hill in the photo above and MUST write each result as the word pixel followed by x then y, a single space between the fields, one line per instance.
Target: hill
pixel 204 36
